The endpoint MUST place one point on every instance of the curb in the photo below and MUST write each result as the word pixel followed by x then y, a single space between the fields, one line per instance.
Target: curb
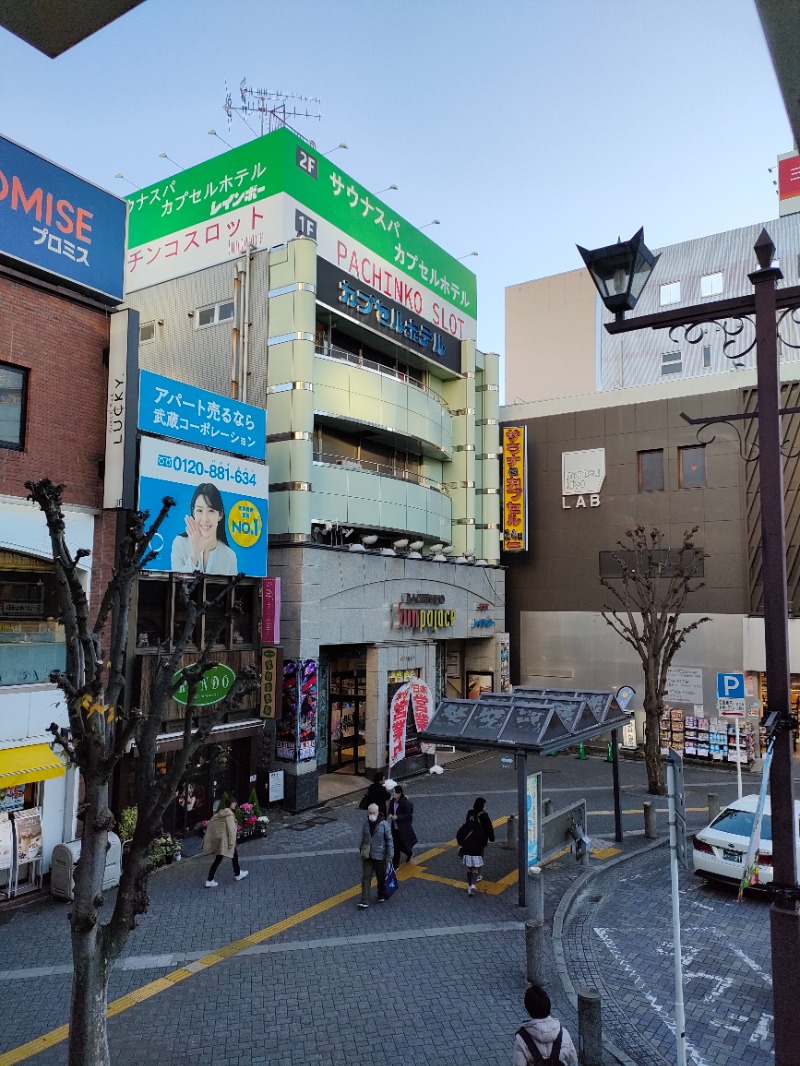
pixel 559 920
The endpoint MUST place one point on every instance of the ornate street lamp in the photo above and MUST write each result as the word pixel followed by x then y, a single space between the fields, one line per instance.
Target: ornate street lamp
pixel 765 309
pixel 620 271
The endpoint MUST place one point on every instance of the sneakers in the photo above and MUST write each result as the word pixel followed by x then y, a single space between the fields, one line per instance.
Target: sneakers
pixel 381 899
pixel 478 878
pixel 471 890
pixel 241 875
pixel 211 884
pixel 363 906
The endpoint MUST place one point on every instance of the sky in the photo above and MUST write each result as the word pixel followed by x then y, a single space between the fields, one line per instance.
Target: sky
pixel 524 126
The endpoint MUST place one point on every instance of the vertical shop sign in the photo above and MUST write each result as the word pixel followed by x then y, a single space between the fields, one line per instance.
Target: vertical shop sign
pixel 271 610
pixel 505 664
pixel 271 659
pixel 398 711
pixel 515 490
pixel 422 701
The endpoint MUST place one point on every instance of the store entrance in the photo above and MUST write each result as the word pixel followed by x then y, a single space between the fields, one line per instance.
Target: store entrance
pixel 347 701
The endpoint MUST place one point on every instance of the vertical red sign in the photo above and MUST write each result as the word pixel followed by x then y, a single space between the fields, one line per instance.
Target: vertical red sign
pixel 270 610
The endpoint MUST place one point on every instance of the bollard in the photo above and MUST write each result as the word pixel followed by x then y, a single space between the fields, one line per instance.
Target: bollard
pixel 512 836
pixel 535 955
pixel 547 808
pixel 649 821
pixel 590 1027
pixel 713 806
pixel 582 751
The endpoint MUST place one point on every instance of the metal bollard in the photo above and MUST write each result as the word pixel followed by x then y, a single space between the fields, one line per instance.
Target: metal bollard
pixel 534 929
pixel 512 836
pixel 649 821
pixel 713 806
pixel 547 808
pixel 590 1027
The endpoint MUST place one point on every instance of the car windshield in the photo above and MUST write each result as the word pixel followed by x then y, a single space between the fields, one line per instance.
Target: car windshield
pixel 740 823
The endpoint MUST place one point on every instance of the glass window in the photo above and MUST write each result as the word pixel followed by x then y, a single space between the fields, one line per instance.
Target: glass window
pixel 213 621
pixel 225 311
pixel 13 397
pixel 243 611
pixel 706 356
pixel 711 284
pixel 651 470
pixel 670 293
pixel 692 467
pixel 671 363
pixel 151 617
pixel 206 317
pixel 31 637
pixel 147 332
pixel 740 823
pixel 216 313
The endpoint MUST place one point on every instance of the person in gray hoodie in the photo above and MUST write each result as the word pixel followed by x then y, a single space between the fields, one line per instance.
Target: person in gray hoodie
pixel 543 1038
pixel 376 851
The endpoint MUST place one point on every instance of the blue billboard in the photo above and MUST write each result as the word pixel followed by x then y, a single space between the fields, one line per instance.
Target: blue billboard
pixel 172 409
pixel 221 515
pixel 58 223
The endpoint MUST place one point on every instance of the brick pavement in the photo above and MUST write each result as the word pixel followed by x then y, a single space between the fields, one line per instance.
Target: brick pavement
pixel 444 972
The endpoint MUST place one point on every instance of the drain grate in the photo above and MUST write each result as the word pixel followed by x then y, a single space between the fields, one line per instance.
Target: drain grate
pixel 310 823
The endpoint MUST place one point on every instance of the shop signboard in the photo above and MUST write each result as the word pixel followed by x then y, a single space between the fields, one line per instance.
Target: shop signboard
pixel 582 477
pixel 422 704
pixel 220 501
pixel 170 408
pixel 789 177
pixel 271 610
pixel 28 833
pixel 515 490
pixel 59 225
pixel 271 660
pixel 273 189
pixel 214 686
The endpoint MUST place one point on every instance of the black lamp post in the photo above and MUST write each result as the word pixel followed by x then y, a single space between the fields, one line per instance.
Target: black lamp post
pixel 760 308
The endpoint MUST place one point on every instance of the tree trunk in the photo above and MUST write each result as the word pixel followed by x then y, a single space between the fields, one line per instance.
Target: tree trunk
pixel 88 1041
pixel 652 747
pixel 88 1034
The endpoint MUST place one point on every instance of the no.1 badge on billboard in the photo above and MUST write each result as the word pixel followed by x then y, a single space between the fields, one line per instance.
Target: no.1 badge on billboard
pixel 220 519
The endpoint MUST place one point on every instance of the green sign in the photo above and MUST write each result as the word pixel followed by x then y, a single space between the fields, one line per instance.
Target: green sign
pixel 214 686
pixel 222 202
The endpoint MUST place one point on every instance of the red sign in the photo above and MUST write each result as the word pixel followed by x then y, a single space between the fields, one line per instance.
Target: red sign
pixel 271 610
pixel 789 177
pixel 422 700
pixel 398 712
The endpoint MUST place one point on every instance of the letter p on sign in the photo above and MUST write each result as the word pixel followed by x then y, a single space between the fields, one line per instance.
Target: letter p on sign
pixel 730 686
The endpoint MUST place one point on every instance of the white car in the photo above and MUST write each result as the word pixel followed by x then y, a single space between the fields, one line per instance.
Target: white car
pixel 719 850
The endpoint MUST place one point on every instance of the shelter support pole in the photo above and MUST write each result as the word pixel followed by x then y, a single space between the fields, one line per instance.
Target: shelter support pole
pixel 615 772
pixel 522 836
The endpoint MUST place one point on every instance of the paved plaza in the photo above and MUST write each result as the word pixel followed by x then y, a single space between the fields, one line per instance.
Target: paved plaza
pixel 282 968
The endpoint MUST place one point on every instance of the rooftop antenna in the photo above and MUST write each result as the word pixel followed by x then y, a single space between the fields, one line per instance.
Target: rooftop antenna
pixel 271 107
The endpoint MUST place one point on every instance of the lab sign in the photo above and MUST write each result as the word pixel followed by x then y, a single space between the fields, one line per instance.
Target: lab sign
pixel 582 477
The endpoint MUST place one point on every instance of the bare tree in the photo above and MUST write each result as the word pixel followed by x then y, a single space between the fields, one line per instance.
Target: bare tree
pixel 99 734
pixel 652 593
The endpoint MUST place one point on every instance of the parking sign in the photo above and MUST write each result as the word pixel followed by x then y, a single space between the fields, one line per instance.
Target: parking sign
pixel 730 695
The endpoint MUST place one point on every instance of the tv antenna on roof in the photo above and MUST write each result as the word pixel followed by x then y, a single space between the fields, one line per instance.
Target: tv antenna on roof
pixel 271 107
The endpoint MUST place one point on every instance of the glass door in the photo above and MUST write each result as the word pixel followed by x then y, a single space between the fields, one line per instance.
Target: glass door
pixel 346 700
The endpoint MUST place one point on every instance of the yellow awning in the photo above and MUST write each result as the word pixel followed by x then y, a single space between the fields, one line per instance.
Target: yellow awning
pixel 34 762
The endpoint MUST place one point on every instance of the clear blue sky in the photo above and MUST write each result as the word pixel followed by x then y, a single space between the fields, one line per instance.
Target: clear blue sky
pixel 525 126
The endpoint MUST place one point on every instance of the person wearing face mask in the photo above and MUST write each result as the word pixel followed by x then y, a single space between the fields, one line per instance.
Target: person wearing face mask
pixel 401 817
pixel 376 850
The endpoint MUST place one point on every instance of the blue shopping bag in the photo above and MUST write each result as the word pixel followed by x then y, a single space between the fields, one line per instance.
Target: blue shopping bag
pixel 390 885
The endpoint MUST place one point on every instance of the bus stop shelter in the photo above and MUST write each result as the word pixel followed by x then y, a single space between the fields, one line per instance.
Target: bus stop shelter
pixel 536 722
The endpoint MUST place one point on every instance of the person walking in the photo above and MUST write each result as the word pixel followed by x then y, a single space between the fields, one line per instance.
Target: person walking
pixel 401 817
pixel 219 840
pixel 543 1039
pixel 376 850
pixel 478 831
pixel 377 793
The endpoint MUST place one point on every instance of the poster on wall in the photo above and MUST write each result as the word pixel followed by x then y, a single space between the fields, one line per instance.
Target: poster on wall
pixel 6 842
pixel 478 682
pixel 12 798
pixel 220 519
pixel 296 733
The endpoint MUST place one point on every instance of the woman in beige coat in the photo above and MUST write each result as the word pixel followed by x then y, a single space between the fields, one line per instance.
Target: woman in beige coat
pixel 220 841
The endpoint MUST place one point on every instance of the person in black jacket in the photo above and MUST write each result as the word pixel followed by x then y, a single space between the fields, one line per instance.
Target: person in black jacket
pixel 376 793
pixel 401 815
pixel 481 831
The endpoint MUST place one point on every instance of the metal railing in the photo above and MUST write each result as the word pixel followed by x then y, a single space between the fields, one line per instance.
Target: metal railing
pixel 366 466
pixel 330 351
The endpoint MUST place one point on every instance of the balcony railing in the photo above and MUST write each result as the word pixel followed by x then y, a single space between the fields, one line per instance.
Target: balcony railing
pixel 332 352
pixel 365 466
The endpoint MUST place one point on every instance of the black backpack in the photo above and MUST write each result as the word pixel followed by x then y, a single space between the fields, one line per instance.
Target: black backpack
pixel 555 1051
pixel 472 825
